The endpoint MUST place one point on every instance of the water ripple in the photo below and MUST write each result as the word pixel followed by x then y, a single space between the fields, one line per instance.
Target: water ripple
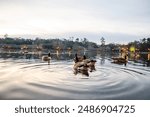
pixel 37 80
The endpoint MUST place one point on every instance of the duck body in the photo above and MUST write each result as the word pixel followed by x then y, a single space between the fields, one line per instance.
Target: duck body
pixel 46 58
pixel 81 67
pixel 91 65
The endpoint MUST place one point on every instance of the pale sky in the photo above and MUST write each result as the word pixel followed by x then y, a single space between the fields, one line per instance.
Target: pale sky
pixel 115 20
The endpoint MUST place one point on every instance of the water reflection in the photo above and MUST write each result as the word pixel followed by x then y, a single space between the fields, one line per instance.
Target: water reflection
pixel 142 58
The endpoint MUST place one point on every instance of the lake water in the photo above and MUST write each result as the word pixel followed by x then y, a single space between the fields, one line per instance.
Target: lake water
pixel 27 77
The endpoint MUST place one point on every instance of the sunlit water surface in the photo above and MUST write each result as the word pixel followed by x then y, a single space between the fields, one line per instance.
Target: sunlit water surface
pixel 34 79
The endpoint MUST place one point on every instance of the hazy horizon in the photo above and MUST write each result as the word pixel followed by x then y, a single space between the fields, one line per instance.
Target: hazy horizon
pixel 117 21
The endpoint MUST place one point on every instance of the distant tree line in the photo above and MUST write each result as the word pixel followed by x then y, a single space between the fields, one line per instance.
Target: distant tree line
pixel 143 45
pixel 50 43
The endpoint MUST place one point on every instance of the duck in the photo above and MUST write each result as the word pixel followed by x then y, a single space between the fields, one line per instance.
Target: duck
pixel 81 68
pixel 91 65
pixel 84 63
pixel 47 58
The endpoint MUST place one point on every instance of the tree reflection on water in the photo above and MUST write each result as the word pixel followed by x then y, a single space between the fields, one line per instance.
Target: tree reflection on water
pixel 143 58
